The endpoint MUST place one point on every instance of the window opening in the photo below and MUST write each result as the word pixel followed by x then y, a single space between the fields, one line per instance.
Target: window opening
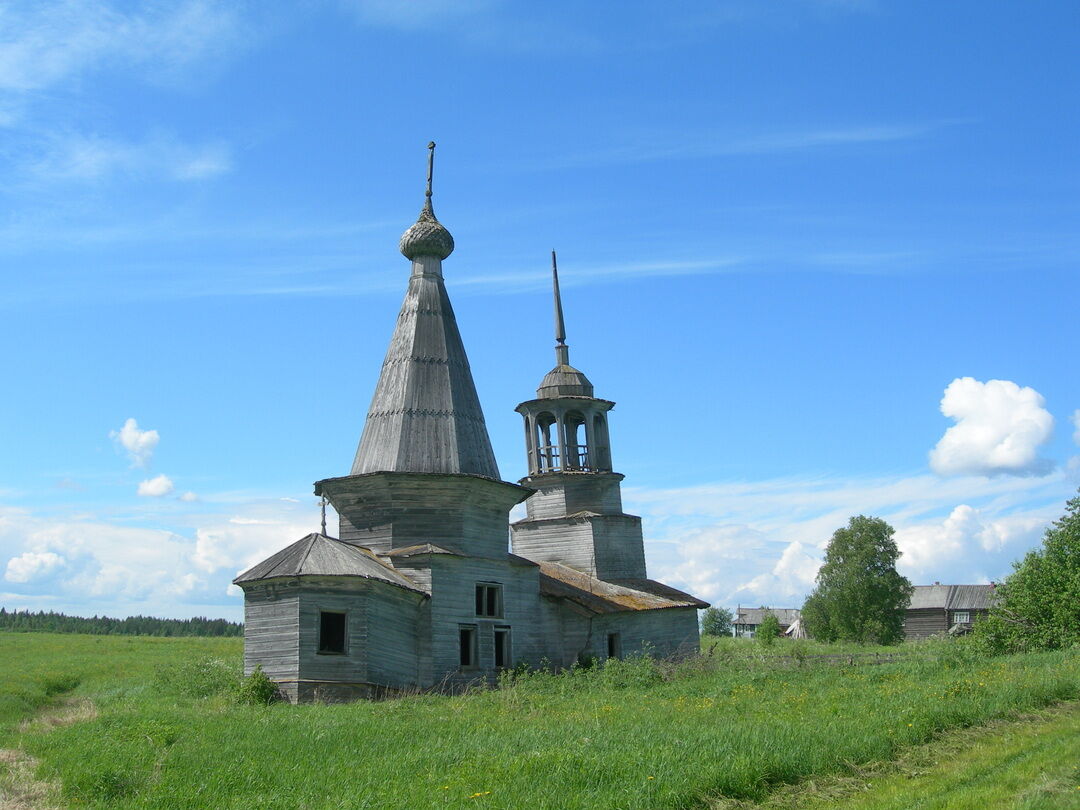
pixel 961 617
pixel 489 600
pixel 502 647
pixel 331 632
pixel 467 645
pixel 577 453
pixel 614 645
pixel 547 450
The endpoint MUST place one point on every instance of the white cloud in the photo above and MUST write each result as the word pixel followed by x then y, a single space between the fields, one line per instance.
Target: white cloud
pixel 189 497
pixel 139 444
pixel 999 428
pixel 88 566
pixel 761 542
pixel 87 158
pixel 32 565
pixel 156 487
pixel 968 541
pixel 48 41
pixel 1076 424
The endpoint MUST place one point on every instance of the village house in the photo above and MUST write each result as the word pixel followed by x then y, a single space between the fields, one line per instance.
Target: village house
pixel 419 590
pixel 747 620
pixel 936 609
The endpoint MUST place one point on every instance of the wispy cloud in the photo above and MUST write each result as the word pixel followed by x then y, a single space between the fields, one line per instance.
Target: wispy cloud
pixel 683 146
pixel 586 274
pixel 417 14
pixel 48 41
pixel 91 158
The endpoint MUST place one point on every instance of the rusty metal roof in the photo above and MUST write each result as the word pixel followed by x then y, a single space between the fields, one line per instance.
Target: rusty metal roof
pixel 319 555
pixel 599 596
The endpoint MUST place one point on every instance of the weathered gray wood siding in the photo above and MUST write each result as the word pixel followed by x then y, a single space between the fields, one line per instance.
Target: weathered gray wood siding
pixel 384 511
pixel 924 622
pixel 661 633
pixel 559 494
pixel 352 597
pixel 567 632
pixel 453 603
pixel 395 636
pixel 272 632
pixel 605 546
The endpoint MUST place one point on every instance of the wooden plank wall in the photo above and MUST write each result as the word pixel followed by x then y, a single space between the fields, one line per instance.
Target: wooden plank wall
pixel 606 546
pixel 271 631
pixel 453 603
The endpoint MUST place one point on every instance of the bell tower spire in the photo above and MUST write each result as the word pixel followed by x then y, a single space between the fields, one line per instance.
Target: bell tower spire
pixel 575 517
pixel 562 351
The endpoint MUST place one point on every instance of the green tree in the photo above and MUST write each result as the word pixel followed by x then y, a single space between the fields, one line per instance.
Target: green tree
pixel 1038 605
pixel 769 630
pixel 716 622
pixel 859 596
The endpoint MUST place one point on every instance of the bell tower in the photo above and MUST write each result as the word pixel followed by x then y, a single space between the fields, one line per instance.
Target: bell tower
pixel 575 517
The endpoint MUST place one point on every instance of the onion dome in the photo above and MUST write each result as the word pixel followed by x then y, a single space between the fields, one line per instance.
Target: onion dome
pixel 428 236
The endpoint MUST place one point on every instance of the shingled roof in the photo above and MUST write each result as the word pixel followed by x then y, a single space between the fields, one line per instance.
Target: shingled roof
pixel 319 555
pixel 786 616
pixel 425 415
pixel 952 597
pixel 599 596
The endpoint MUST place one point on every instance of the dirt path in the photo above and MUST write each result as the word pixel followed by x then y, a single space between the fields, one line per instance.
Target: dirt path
pixel 19 788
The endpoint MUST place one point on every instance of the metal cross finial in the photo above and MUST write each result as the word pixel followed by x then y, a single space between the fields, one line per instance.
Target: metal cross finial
pixel 324 515
pixel 430 167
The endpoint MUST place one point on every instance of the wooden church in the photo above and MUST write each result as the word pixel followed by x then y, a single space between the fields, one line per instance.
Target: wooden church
pixel 420 590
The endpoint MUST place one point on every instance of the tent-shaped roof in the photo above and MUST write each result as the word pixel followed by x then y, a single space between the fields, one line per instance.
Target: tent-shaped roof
pixel 319 555
pixel 599 596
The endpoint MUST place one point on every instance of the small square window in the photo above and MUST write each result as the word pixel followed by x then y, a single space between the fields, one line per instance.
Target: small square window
pixel 331 632
pixel 467 645
pixel 489 600
pixel 961 617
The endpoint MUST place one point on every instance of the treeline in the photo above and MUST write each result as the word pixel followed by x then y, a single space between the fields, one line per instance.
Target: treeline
pixel 26 621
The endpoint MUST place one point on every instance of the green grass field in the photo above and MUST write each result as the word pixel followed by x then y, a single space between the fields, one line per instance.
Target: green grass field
pixel 634 735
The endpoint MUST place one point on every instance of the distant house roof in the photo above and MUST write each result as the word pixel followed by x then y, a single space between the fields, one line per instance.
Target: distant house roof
pixel 319 555
pixel 786 616
pixel 952 597
pixel 599 596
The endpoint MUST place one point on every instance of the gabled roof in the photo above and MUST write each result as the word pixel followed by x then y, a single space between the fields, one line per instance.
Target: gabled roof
pixel 319 555
pixel 786 616
pixel 599 596
pixel 952 597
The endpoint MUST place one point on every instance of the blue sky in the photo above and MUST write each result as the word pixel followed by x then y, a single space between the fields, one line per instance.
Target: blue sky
pixel 823 255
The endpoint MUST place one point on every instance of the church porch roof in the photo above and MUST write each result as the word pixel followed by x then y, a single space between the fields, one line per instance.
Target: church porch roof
pixel 319 555
pixel 600 596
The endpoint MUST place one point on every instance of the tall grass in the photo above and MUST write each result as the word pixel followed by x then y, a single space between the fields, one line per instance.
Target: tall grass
pixel 631 734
